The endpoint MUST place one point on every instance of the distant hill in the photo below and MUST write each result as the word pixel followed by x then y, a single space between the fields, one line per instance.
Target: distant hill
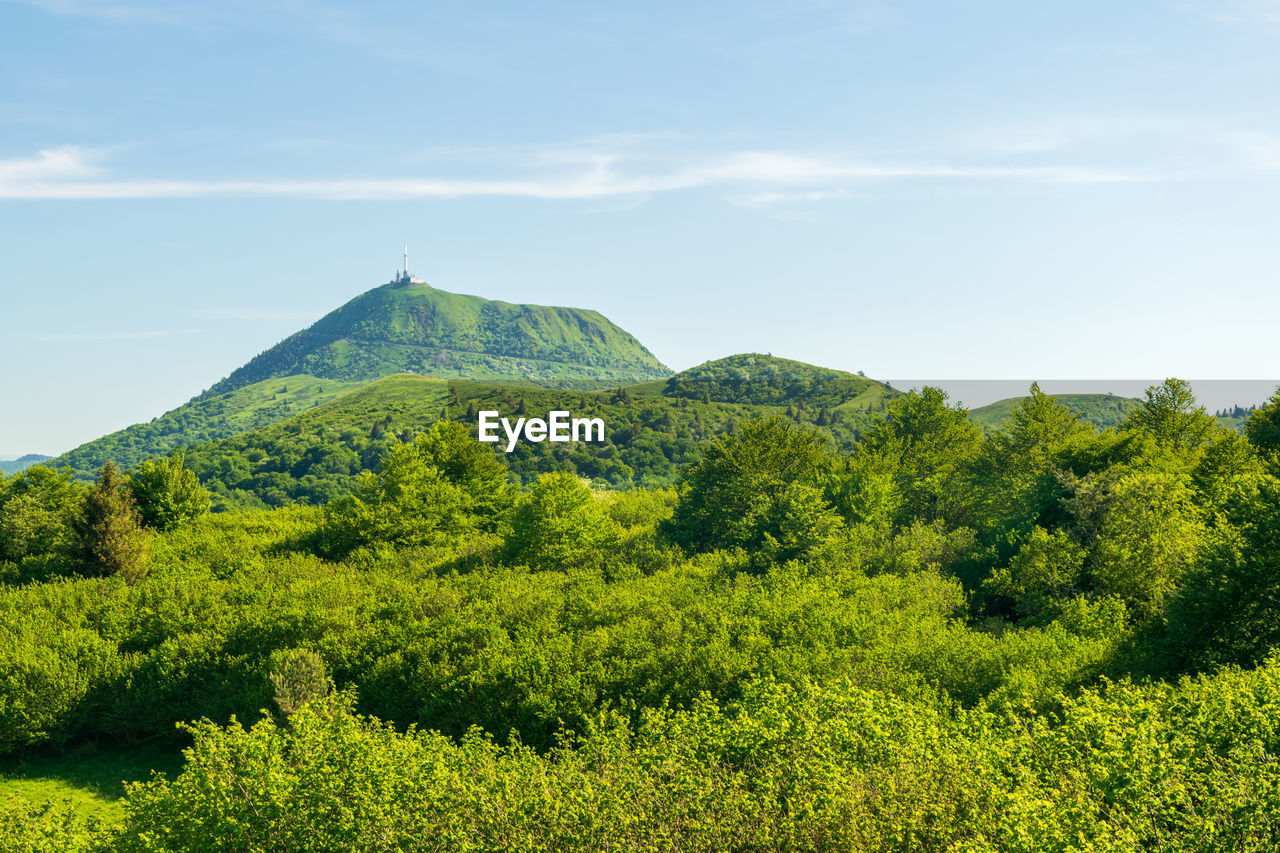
pixel 650 434
pixel 412 327
pixel 766 380
pixel 404 326
pixel 1102 410
pixel 13 466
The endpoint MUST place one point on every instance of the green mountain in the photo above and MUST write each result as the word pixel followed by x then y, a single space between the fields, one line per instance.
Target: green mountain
pixel 13 466
pixel 650 432
pixel 205 419
pixel 401 327
pixel 411 327
pixel 766 380
pixel 1102 410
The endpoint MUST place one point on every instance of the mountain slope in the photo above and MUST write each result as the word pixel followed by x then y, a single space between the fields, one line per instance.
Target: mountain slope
pixel 405 326
pixel 1101 410
pixel 412 327
pixel 649 435
pixel 767 380
pixel 206 419
pixel 13 466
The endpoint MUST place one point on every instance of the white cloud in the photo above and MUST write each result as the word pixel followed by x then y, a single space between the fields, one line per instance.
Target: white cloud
pixel 69 173
pixel 51 165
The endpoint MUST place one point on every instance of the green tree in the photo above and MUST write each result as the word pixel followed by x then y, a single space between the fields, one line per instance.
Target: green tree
pixel 864 490
pixel 1013 475
pixel 298 676
pixel 732 496
pixel 1150 535
pixel 560 525
pixel 409 503
pixel 38 509
pixel 1170 415
pixel 471 466
pixel 167 493
pixel 1047 569
pixel 1263 430
pixel 932 444
pixel 109 533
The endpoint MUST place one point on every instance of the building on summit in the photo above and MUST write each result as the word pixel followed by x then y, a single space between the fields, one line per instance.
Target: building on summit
pixel 402 276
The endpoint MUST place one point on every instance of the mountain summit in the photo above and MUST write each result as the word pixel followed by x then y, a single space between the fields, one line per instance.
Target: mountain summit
pixel 408 326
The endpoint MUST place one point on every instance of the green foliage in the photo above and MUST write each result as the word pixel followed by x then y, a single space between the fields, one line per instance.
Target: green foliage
pixel 902 644
pixel 1263 430
pixel 48 671
pixel 1170 415
pixel 38 509
pixel 1046 570
pixel 1150 535
pixel 299 677
pixel 410 503
pixel 27 827
pixel 167 494
pixel 865 490
pixel 930 444
pixel 109 535
pixel 783 769
pixel 748 483
pixel 1228 610
pixel 469 465
pixel 560 525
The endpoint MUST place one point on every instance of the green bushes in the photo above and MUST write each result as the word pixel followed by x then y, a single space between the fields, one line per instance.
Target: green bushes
pixel 167 494
pixel 900 650
pixel 787 769
pixel 560 525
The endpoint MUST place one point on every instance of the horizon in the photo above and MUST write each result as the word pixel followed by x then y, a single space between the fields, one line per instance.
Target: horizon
pixel 995 191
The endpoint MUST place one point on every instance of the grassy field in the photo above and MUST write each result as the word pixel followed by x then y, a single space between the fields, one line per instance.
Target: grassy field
pixel 91 780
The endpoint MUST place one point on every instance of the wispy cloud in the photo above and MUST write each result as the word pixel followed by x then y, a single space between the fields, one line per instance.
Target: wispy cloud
pixel 73 173
pixel 113 336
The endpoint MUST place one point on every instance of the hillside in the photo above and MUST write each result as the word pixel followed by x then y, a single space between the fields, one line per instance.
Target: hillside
pixel 207 419
pixel 412 327
pixel 311 458
pixel 402 327
pixel 13 466
pixel 1102 410
pixel 766 380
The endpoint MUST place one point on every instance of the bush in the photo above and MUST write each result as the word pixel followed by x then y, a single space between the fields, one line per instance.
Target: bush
pixel 167 494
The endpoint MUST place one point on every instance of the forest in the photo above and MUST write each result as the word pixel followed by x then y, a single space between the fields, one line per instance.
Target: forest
pixel 800 631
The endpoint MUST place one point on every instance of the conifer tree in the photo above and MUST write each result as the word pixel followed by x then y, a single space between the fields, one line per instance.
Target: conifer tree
pixel 109 532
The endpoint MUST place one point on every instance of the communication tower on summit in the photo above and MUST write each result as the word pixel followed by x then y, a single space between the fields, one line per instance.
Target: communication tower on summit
pixel 402 276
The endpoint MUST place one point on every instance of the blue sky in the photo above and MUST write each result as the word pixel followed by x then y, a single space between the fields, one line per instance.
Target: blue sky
pixel 945 189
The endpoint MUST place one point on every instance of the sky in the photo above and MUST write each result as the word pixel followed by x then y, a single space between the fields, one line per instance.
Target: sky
pixel 959 190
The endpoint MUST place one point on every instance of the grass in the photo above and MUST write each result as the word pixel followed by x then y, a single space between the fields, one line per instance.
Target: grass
pixel 90 779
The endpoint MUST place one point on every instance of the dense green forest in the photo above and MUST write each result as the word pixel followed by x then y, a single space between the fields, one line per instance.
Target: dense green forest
pixel 915 634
